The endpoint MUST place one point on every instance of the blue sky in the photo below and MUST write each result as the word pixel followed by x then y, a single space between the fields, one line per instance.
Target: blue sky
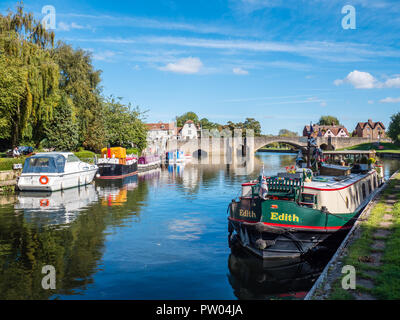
pixel 283 62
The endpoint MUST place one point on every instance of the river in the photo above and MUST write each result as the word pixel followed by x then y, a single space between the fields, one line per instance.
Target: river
pixel 159 235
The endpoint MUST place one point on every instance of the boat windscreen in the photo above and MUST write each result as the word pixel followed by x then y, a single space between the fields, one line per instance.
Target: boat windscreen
pixel 44 164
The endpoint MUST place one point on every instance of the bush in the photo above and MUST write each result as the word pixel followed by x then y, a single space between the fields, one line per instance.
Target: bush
pixel 84 154
pixel 7 163
pixel 133 151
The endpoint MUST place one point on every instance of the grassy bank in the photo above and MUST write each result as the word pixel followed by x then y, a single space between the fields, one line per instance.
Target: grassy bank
pixel 387 147
pixel 375 254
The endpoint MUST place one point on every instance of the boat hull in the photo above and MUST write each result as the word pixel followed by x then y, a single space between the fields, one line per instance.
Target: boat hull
pixel 117 171
pixel 56 181
pixel 282 243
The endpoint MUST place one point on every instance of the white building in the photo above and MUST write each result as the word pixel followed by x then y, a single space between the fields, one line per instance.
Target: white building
pixel 188 131
pixel 160 131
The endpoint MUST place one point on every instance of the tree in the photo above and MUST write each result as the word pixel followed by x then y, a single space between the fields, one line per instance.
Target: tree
pixel 81 81
pixel 62 131
pixel 328 121
pixel 180 121
pixel 124 125
pixel 254 125
pixel 29 76
pixel 207 125
pixel 394 128
pixel 287 133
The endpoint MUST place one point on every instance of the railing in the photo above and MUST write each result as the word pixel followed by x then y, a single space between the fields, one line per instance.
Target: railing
pixel 281 187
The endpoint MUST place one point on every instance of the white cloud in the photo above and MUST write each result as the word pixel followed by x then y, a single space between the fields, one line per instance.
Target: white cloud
pixel 67 27
pixel 240 71
pixel 390 100
pixel 393 83
pixel 323 104
pixel 365 80
pixel 188 65
pixel 370 101
pixel 103 56
pixel 359 79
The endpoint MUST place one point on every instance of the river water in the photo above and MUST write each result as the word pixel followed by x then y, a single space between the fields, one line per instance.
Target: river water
pixel 159 235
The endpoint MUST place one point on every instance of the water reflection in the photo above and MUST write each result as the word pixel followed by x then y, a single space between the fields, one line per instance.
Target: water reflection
pixel 254 278
pixel 54 208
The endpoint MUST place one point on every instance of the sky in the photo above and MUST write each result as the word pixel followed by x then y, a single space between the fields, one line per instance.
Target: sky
pixel 282 62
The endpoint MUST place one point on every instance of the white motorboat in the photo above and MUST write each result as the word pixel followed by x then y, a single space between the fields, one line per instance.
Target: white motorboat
pixel 52 171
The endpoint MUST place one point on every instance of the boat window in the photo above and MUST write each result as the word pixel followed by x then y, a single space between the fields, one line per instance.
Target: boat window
pixel 72 158
pixel 347 202
pixel 46 164
pixel 308 198
pixel 375 183
pixel 369 186
pixel 363 191
pixel 39 162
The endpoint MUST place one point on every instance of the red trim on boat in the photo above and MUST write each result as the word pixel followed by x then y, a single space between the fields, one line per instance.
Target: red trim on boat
pixel 118 177
pixel 289 225
pixel 249 184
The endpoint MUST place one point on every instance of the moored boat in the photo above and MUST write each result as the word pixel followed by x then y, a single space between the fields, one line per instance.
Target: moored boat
pixel 288 215
pixel 52 171
pixel 148 162
pixel 115 164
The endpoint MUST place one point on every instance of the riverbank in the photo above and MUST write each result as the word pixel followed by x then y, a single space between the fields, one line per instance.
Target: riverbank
pixel 383 149
pixel 373 250
pixel 8 181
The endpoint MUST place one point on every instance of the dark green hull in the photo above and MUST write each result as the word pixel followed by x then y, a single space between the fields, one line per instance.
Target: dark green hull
pixel 283 229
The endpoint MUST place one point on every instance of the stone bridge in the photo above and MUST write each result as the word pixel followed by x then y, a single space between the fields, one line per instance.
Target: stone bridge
pixel 239 146
pixel 322 142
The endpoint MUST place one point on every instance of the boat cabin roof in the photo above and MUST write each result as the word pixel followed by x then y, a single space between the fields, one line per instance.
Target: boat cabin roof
pixel 48 162
pixel 331 183
pixel 53 154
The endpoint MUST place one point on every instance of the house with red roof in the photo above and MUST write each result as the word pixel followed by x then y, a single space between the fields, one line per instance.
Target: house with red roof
pixel 326 131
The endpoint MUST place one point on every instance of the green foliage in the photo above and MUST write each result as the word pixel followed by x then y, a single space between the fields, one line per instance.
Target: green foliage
pixel 394 128
pixel 124 125
pixel 80 81
pixel 287 133
pixel 29 77
pixel 180 121
pixel 387 147
pixel 328 121
pixel 53 96
pixel 208 125
pixel 62 131
pixel 7 163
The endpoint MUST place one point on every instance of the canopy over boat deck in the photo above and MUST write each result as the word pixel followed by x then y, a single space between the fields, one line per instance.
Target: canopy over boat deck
pixel 355 155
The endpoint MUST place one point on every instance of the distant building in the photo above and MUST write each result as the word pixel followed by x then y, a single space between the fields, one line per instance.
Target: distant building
pixel 188 131
pixel 161 131
pixel 373 130
pixel 326 131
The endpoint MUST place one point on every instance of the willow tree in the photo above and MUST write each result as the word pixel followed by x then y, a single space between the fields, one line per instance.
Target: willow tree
pixel 29 77
pixel 81 81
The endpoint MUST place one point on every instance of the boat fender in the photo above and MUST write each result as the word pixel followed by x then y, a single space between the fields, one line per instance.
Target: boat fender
pixel 262 244
pixel 43 179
